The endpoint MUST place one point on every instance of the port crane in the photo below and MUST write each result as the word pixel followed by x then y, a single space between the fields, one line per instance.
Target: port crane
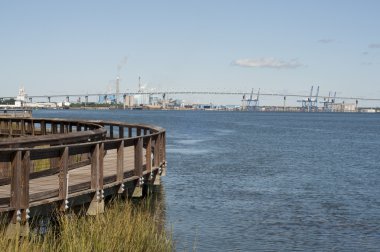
pixel 251 104
pixel 311 103
pixel 328 104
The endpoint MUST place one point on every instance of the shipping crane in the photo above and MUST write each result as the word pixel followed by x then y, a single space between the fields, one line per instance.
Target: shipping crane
pixel 328 104
pixel 252 103
pixel 311 103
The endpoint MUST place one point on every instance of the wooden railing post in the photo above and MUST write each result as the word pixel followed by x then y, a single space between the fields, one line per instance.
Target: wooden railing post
pixel 22 122
pixel 139 157
pixel 148 156
pixel 138 131
pixel 24 204
pixel 95 167
pixel 129 132
pixel 161 148
pixel 33 127
pixel 19 199
pixel 10 128
pixel 138 171
pixel 157 158
pixel 101 167
pixel 16 170
pixel 156 150
pixel 159 143
pixel 63 178
pixel 43 127
pixel 111 131
pixel 120 162
pixel 2 125
pixel 29 129
pixel 164 146
pixel 121 131
pixel 61 128
pixel 54 127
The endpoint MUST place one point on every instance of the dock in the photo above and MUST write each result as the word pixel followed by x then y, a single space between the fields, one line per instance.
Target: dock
pixel 51 165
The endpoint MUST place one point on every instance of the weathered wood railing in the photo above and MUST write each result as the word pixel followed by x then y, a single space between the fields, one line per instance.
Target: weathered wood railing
pixel 69 147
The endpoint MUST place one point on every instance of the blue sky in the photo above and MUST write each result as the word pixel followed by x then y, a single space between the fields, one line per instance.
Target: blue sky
pixel 278 46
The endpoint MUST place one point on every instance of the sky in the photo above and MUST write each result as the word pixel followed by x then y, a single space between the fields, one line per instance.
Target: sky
pixel 56 47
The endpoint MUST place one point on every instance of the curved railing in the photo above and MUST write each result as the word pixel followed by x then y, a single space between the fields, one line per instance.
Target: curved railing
pixel 44 161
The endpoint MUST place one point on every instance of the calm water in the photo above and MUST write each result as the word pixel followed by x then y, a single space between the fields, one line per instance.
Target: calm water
pixel 267 181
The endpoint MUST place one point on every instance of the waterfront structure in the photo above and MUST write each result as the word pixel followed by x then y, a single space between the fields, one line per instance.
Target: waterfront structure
pixel 56 164
pixel 344 107
pixel 129 101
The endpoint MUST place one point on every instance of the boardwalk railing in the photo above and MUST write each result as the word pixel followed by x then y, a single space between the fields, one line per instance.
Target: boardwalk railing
pixel 64 163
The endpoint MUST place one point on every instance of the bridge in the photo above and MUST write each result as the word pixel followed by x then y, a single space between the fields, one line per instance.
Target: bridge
pixel 161 93
pixel 51 165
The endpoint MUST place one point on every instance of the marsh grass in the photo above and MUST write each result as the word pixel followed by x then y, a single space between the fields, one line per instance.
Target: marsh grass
pixel 123 227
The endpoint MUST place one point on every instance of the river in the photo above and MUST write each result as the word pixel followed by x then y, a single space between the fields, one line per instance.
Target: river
pixel 241 181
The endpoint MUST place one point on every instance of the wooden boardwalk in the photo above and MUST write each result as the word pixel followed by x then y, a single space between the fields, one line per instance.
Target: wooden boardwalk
pixel 90 159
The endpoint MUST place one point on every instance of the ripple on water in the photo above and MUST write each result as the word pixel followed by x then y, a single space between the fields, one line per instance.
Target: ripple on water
pixel 223 132
pixel 188 151
pixel 189 141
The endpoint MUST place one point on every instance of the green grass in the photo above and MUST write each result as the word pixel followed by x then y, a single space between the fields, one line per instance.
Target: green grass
pixel 123 227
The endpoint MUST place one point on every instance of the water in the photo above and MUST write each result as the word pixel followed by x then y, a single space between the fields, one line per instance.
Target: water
pixel 267 181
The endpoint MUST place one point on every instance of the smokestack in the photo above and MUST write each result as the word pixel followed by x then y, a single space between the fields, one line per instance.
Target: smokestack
pixel 117 89
pixel 139 84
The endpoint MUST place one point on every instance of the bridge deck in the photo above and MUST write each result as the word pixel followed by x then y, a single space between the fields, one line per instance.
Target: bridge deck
pixel 76 176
